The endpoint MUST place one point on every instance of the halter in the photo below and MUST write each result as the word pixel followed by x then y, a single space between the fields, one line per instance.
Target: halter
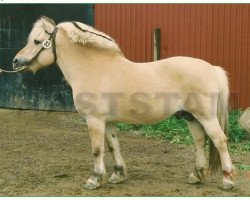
pixel 46 44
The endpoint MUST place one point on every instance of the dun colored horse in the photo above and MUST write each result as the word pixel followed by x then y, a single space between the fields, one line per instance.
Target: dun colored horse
pixel 108 88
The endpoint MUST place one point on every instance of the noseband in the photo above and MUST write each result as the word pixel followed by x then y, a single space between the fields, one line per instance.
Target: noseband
pixel 46 44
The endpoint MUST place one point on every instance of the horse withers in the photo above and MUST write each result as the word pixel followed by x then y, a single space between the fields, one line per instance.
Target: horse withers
pixel 108 88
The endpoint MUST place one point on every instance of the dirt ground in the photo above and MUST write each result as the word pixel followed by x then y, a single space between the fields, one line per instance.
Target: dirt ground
pixel 49 154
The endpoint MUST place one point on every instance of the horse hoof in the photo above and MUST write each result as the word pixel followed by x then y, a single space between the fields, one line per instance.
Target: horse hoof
pixel 227 184
pixel 115 179
pixel 192 179
pixel 198 176
pixel 91 184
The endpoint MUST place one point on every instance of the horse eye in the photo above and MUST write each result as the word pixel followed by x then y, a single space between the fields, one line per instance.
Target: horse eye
pixel 36 42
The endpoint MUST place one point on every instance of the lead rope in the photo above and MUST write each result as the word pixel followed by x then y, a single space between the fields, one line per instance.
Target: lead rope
pixel 7 71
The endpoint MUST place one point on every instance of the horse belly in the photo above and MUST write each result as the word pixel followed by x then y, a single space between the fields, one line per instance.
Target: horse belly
pixel 144 110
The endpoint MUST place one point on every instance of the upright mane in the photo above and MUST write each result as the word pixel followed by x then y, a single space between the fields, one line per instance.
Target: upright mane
pixel 82 33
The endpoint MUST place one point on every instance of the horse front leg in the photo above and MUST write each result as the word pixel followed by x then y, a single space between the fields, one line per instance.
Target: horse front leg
pixel 97 133
pixel 119 174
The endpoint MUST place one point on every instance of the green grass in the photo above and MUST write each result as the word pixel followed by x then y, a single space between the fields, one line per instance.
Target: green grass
pixel 176 131
pixel 172 129
pixel 239 148
pixel 244 167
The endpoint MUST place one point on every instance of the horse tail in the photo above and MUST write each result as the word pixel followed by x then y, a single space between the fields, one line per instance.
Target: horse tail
pixel 222 115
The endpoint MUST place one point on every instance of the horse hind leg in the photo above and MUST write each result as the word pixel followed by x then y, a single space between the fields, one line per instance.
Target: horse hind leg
pixel 198 133
pixel 219 139
pixel 119 174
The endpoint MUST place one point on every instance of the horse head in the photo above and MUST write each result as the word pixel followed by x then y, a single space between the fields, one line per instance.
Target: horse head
pixel 40 50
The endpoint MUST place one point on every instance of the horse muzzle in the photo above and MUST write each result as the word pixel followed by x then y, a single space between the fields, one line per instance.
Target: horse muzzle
pixel 20 64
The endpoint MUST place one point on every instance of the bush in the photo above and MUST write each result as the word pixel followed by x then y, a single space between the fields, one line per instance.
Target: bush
pixel 235 132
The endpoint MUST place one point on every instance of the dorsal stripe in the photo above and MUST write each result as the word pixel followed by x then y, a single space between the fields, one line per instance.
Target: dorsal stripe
pixel 77 26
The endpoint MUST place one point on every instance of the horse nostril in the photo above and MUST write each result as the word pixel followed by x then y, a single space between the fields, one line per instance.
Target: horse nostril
pixel 15 61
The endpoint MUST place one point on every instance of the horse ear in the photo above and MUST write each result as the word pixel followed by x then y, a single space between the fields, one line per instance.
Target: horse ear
pixel 48 24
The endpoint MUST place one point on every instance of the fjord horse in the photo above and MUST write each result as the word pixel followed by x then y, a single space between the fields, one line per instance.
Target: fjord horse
pixel 108 88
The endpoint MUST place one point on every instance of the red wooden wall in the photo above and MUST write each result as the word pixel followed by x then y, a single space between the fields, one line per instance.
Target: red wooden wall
pixel 217 33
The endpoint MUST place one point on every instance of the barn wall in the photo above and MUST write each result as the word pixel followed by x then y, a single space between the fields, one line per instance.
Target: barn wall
pixel 47 89
pixel 217 33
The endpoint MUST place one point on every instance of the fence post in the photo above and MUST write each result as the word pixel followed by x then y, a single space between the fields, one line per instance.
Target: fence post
pixel 156 44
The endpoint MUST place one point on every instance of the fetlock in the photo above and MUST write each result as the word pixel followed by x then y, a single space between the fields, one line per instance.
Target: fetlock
pixel 118 176
pixel 228 180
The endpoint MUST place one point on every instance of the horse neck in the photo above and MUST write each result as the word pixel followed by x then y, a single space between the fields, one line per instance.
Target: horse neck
pixel 79 62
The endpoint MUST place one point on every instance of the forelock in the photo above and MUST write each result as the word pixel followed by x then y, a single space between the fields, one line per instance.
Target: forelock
pixel 37 28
